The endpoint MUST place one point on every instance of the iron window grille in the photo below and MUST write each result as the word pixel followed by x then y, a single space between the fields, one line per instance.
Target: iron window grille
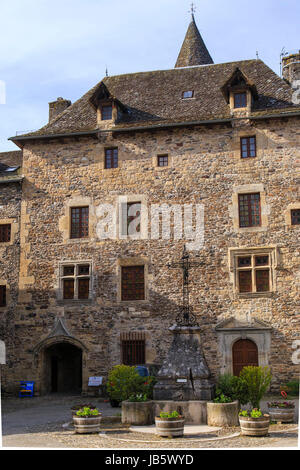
pixel 133 348
pixel 131 218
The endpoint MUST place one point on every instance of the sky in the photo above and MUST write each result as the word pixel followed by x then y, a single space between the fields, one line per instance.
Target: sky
pixel 61 48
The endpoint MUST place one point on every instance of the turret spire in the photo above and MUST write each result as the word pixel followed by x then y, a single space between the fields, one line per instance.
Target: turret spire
pixel 193 50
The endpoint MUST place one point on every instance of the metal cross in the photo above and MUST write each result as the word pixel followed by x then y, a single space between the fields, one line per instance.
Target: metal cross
pixel 193 9
pixel 185 316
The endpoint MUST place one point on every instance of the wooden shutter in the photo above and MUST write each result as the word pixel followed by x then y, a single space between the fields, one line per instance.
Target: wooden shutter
pixel 133 283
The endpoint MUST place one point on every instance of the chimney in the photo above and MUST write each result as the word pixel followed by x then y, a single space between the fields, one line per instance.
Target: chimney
pixel 57 107
pixel 291 68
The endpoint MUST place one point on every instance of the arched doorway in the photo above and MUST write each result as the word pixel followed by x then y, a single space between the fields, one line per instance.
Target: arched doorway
pixel 63 368
pixel 244 353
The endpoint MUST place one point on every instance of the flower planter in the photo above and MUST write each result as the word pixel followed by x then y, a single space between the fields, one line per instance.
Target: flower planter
pixel 137 413
pixel 87 425
pixel 254 426
pixel 223 414
pixel 284 415
pixel 170 427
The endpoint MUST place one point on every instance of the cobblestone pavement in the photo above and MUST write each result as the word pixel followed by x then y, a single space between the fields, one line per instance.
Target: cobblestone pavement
pixel 42 423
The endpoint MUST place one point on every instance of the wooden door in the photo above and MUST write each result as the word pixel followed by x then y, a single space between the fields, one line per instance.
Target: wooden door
pixel 244 353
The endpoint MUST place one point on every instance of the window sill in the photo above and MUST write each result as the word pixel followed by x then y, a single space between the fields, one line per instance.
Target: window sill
pixel 74 301
pixel 253 295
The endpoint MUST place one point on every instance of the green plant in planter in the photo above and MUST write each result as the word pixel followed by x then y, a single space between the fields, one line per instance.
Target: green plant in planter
pixel 168 415
pixel 233 388
pixel 87 412
pixel 138 397
pixel 222 399
pixel 257 380
pixel 255 413
pixel 125 382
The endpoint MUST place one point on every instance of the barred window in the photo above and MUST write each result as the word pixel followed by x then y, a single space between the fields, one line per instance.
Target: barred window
pixel 76 281
pixel 5 233
pixel 111 158
pixel 133 283
pixel 248 147
pixel 133 348
pixel 2 296
pixel 249 210
pixel 79 222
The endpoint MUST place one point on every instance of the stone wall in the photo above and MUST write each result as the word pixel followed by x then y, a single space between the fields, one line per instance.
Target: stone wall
pixel 205 168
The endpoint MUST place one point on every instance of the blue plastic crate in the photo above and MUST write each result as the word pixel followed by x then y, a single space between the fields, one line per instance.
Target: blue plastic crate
pixel 26 389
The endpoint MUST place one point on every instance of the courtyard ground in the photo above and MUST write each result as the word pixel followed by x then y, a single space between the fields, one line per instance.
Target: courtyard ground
pixel 45 422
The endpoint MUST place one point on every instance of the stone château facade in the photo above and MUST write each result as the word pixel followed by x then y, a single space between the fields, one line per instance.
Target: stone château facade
pixel 221 137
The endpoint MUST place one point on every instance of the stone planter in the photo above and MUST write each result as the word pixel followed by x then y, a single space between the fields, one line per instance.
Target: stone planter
pixel 169 427
pixel 223 414
pixel 137 413
pixel 254 426
pixel 284 415
pixel 87 425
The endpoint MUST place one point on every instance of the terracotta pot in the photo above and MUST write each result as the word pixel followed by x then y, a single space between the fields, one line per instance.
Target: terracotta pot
pixel 284 415
pixel 170 427
pixel 254 426
pixel 84 425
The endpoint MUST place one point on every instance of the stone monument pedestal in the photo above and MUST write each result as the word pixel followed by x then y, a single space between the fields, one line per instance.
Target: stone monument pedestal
pixel 184 375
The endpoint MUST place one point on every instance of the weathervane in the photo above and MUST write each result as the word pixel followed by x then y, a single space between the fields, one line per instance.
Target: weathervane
pixel 185 317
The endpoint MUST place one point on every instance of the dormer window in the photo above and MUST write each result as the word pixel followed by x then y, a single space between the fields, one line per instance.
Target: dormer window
pixel 187 94
pixel 106 112
pixel 240 100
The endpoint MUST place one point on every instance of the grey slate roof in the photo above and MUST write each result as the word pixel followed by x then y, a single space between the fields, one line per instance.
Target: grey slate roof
pixel 193 50
pixel 155 98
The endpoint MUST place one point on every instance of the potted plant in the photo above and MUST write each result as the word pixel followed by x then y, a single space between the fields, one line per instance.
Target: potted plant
pixel 122 382
pixel 76 408
pixel 254 422
pixel 87 420
pixel 169 424
pixel 257 380
pixel 231 391
pixel 282 411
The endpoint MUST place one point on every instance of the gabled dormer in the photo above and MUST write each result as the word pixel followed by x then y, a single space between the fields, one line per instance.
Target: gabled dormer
pixel 109 109
pixel 239 92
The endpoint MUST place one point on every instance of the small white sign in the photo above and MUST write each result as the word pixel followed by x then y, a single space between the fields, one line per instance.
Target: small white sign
pixel 95 381
pixel 181 381
pixel 2 352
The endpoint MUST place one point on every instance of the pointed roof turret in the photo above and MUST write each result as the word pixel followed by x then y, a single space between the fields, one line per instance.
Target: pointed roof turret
pixel 193 50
